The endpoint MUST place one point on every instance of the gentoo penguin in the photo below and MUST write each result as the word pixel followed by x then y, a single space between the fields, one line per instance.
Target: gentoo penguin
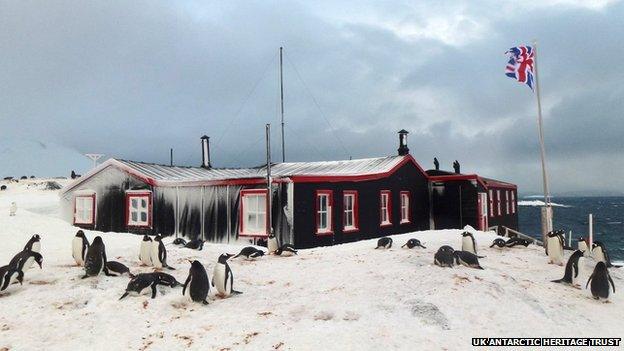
pixel 9 275
pixel 34 244
pixel 272 244
pixel 145 282
pixel 249 252
pixel 117 269
pixel 21 260
pixel 467 258
pixel 498 242
pixel 222 277
pixel 444 257
pixel 412 243
pixel 571 274
pixel 554 247
pixel 600 280
pixel 197 286
pixel 80 245
pixel 384 243
pixel 13 209
pixel 195 244
pixel 517 241
pixel 95 262
pixel 582 245
pixel 600 253
pixel 286 250
pixel 468 243
pixel 179 241
pixel 145 252
pixel 159 254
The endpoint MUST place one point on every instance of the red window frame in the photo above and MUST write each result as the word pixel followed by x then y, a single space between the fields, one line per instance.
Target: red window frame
pixel 356 217
pixel 498 202
pixel 388 208
pixel 409 205
pixel 330 207
pixel 241 227
pixel 94 207
pixel 139 194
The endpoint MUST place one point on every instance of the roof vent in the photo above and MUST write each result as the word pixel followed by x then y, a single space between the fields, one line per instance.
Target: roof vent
pixel 205 142
pixel 403 149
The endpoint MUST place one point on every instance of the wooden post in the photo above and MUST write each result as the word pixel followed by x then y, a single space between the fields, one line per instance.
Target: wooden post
pixel 591 233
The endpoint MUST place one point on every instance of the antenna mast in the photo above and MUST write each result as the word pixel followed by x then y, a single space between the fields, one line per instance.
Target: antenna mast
pixel 94 158
pixel 282 105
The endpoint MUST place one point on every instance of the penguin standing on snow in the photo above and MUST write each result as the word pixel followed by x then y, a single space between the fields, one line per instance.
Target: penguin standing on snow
pixel 286 250
pixel 197 286
pixel 444 257
pixel 412 243
pixel 159 254
pixel 34 245
pixel 498 242
pixel 249 253
pixel 9 275
pixel 600 253
pixel 554 247
pixel 80 246
pixel 600 280
pixel 384 243
pixel 572 269
pixel 582 245
pixel 95 263
pixel 118 269
pixel 468 243
pixel 145 251
pixel 21 260
pixel 272 244
pixel 222 277
pixel 467 258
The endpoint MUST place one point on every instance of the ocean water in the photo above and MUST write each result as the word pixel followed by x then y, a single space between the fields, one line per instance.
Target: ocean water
pixel 608 218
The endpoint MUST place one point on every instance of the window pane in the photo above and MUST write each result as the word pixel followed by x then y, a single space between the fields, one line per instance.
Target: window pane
pixel 143 216
pixel 143 202
pixel 134 217
pixel 134 203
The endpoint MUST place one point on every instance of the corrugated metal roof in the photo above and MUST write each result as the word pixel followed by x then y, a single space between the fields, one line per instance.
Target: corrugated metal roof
pixel 357 167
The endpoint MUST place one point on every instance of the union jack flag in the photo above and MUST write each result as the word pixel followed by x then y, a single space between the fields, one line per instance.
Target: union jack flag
pixel 520 65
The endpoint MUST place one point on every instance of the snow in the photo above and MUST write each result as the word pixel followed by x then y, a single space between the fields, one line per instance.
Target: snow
pixel 538 203
pixel 343 297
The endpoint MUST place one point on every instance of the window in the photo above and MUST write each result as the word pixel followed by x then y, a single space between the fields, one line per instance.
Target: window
pixel 405 207
pixel 506 201
pixel 324 203
pixel 491 193
pixel 253 213
pixel 498 206
pixel 84 209
pixel 513 202
pixel 350 205
pixel 138 208
pixel 385 207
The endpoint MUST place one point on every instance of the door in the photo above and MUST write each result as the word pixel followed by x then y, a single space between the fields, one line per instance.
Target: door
pixel 482 211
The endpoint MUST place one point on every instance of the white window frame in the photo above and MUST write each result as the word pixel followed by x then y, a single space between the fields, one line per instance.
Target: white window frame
pixel 80 210
pixel 513 202
pixel 491 196
pixel 385 207
pixel 506 201
pixel 405 206
pixel 143 206
pixel 324 206
pixel 350 214
pixel 498 202
pixel 254 219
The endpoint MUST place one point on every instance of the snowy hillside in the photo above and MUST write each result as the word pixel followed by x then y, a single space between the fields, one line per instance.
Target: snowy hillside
pixel 335 298
pixel 20 157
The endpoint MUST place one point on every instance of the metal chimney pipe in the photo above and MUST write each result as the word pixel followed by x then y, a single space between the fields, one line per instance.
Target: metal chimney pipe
pixel 205 142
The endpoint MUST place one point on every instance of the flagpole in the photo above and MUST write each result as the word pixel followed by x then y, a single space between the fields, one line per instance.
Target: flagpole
pixel 547 224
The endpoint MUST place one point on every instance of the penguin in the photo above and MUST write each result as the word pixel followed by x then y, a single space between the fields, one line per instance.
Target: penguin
pixel 600 280
pixel 286 250
pixel 9 275
pixel 467 258
pixel 20 261
pixel 250 252
pixel 80 245
pixel 412 243
pixel 34 245
pixel 159 254
pixel 272 244
pixel 140 284
pixel 498 242
pixel 600 253
pixel 145 251
pixel 13 209
pixel 179 241
pixel 444 257
pixel 582 245
pixel 196 244
pixel 222 277
pixel 95 261
pixel 197 286
pixel 572 269
pixel 517 241
pixel 468 243
pixel 118 269
pixel 384 243
pixel 554 247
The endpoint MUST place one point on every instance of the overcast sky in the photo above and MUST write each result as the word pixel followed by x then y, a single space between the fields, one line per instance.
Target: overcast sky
pixel 131 79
